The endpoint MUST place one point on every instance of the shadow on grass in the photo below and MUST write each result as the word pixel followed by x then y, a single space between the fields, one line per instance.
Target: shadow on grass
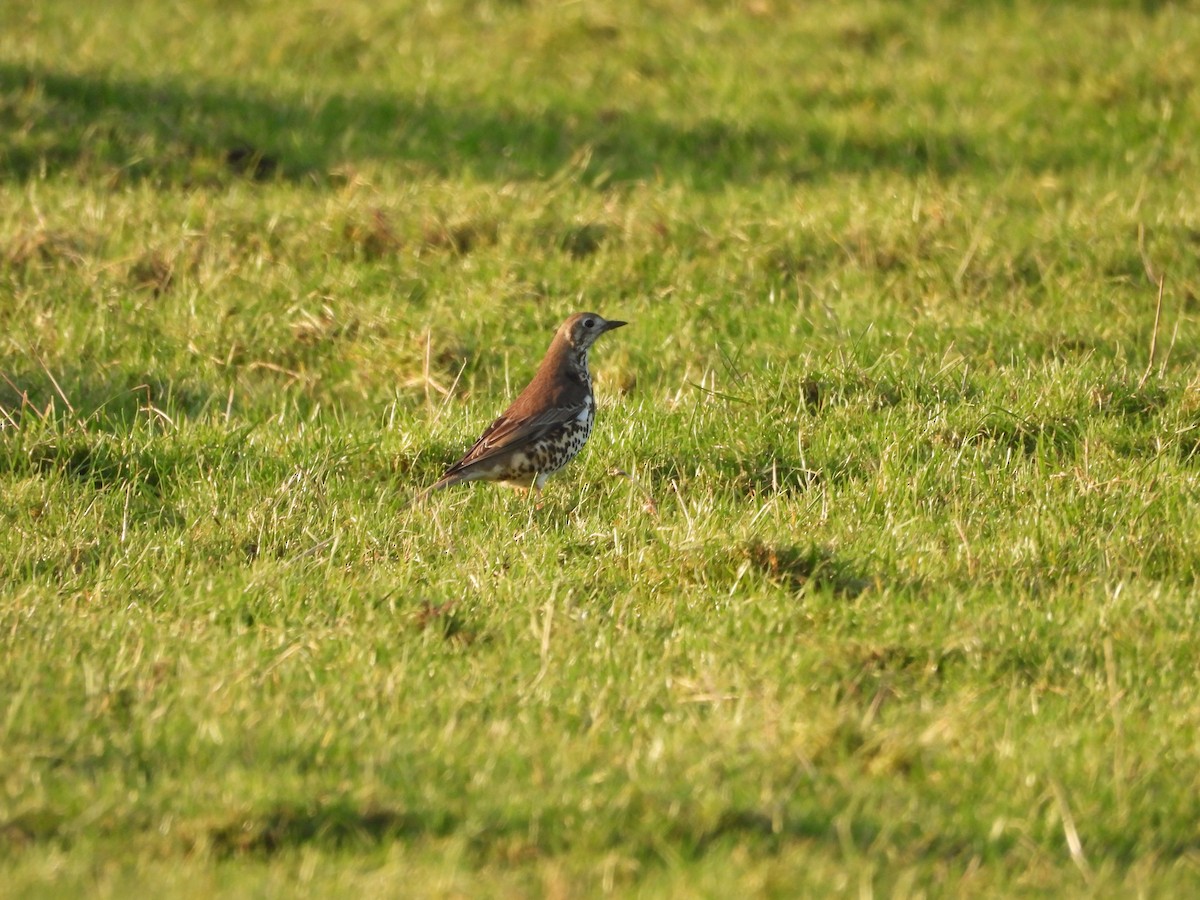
pixel 112 400
pixel 656 822
pixel 167 131
pixel 112 395
pixel 84 429
pixel 748 474
pixel 799 568
pixel 1030 436
pixel 342 825
pixel 337 824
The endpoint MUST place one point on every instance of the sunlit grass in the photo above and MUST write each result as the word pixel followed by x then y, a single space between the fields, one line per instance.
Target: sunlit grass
pixel 899 594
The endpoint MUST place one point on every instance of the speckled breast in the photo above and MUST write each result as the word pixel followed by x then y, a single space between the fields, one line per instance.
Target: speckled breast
pixel 562 445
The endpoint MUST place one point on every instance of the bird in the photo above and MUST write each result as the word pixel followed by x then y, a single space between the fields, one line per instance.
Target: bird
pixel 549 422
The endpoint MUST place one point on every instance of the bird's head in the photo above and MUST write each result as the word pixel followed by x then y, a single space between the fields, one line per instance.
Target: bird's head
pixel 582 329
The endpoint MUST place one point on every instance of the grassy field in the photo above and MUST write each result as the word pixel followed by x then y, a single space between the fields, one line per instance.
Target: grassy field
pixel 902 598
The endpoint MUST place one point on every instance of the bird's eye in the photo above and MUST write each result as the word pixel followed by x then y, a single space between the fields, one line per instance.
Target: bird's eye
pixel 589 323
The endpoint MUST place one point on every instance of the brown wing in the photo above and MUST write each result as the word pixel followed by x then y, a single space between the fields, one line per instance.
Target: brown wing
pixel 508 433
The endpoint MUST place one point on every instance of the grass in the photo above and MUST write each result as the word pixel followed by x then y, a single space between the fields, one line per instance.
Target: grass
pixel 902 598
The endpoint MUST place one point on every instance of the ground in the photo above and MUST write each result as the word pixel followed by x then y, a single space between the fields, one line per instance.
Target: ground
pixel 899 595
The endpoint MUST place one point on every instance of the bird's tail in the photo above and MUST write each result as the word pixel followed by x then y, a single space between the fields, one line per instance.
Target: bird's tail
pixel 444 482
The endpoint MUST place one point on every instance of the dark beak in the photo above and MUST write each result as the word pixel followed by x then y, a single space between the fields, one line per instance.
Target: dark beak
pixel 611 325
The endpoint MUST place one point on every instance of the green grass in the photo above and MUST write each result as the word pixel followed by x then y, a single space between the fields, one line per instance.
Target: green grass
pixel 903 598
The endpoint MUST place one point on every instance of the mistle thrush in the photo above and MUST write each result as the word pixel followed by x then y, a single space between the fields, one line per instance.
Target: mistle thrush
pixel 548 423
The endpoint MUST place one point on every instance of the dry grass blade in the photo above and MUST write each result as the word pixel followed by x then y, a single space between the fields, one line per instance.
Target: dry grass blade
pixel 1154 333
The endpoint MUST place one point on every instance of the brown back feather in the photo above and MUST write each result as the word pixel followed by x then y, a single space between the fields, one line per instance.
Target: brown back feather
pixel 557 394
